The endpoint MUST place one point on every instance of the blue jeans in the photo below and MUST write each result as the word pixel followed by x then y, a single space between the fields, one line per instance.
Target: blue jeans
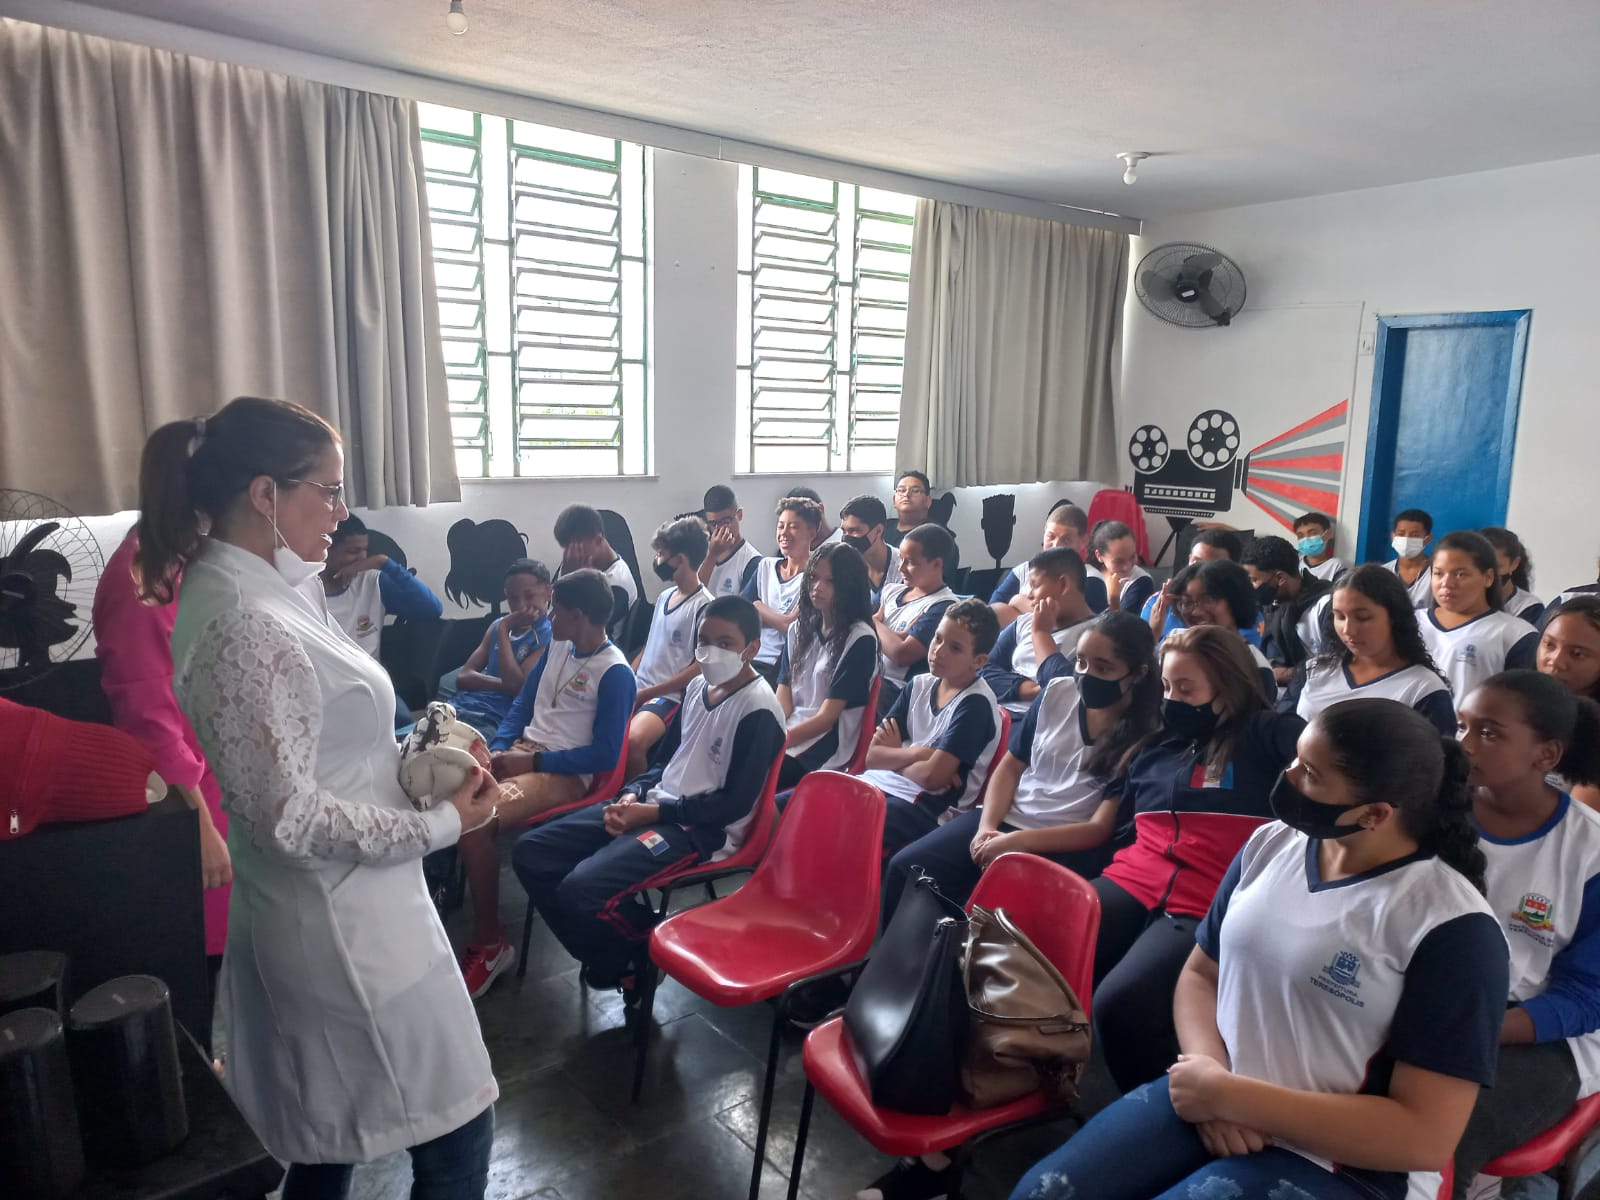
pixel 454 1166
pixel 1140 1149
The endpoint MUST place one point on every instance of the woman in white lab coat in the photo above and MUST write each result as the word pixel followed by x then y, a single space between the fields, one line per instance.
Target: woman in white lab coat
pixel 350 1032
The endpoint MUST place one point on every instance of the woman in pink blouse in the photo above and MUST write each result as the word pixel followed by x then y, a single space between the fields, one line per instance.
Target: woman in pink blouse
pixel 133 641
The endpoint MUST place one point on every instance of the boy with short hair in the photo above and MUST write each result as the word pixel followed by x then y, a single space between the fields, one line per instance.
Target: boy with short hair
pixel 913 506
pixel 493 675
pixel 1066 527
pixel 1413 530
pixel 581 534
pixel 732 561
pixel 1016 670
pixel 362 589
pixel 825 532
pixel 584 871
pixel 1289 596
pixel 1313 533
pixel 862 521
pixel 666 664
pixel 566 726
pixel 933 751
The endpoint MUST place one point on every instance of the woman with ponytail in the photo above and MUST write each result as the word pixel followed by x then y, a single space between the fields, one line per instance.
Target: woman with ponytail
pixel 350 1033
pixel 1520 729
pixel 1341 1007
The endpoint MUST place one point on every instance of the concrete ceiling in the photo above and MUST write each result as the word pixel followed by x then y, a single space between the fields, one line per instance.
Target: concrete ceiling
pixel 1240 101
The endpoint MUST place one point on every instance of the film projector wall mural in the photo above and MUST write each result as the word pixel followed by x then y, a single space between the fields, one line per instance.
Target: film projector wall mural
pixel 1194 480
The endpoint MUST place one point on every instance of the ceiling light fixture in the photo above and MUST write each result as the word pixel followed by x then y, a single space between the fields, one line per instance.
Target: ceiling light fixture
pixel 457 18
pixel 1130 159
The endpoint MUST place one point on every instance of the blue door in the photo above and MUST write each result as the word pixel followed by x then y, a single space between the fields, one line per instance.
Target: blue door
pixel 1445 393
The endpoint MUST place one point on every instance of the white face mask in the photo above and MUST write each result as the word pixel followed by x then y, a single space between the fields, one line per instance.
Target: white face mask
pixel 1408 547
pixel 718 665
pixel 295 570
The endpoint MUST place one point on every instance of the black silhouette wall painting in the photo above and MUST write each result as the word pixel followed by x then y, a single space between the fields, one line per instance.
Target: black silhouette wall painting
pixel 480 552
pixel 998 524
pixel 942 509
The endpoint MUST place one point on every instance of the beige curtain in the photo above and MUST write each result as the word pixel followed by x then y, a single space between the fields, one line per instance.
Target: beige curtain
pixel 175 232
pixel 1013 348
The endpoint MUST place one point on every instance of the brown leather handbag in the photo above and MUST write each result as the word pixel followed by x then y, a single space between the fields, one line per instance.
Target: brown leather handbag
pixel 1026 1027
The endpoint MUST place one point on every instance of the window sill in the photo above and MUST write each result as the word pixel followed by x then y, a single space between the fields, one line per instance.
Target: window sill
pixel 503 479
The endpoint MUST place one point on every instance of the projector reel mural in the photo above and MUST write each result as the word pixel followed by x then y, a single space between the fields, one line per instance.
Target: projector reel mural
pixel 1196 478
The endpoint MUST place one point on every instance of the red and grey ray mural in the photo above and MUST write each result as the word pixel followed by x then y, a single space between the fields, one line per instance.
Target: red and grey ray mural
pixel 1300 469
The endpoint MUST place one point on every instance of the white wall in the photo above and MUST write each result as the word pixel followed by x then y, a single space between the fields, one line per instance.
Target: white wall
pixel 1527 237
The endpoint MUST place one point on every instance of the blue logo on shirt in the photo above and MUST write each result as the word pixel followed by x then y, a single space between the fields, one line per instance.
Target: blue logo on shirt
pixel 716 749
pixel 1341 978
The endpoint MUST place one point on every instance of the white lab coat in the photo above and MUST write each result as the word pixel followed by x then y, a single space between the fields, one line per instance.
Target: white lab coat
pixel 351 1034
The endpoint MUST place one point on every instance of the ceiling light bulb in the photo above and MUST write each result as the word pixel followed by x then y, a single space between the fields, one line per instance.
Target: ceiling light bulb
pixel 457 18
pixel 1131 160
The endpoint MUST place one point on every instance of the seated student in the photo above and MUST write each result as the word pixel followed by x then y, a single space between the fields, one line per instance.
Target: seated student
pixel 1057 790
pixel 585 871
pixel 1543 881
pixel 363 589
pixel 1569 652
pixel 825 533
pixel 913 506
pixel 1067 527
pixel 666 664
pixel 581 535
pixel 1207 545
pixel 1372 647
pixel 1468 634
pixel 776 585
pixel 1516 573
pixel 494 673
pixel 1058 618
pixel 1314 534
pixel 1217 592
pixel 861 524
pixel 732 561
pixel 1116 580
pixel 1582 589
pixel 910 611
pixel 566 726
pixel 1195 792
pixel 1289 596
pixel 931 754
pixel 1413 530
pixel 1340 1009
pixel 829 662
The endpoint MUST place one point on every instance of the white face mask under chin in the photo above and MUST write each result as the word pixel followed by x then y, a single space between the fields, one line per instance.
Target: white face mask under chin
pixel 719 666
pixel 295 570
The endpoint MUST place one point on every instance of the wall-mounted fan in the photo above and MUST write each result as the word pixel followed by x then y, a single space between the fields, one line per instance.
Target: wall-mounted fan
pixel 49 567
pixel 1190 285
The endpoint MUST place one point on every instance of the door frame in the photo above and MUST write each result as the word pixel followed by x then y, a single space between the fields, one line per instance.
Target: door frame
pixel 1388 368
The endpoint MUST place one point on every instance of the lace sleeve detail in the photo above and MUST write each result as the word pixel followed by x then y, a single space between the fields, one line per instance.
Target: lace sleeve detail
pixel 252 696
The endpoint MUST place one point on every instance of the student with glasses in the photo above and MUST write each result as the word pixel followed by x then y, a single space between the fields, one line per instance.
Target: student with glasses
pixel 913 506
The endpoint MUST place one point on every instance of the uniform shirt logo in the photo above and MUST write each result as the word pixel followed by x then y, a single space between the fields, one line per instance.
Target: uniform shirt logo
pixel 1534 912
pixel 364 624
pixel 580 681
pixel 1342 978
pixel 716 749
pixel 677 637
pixel 1468 654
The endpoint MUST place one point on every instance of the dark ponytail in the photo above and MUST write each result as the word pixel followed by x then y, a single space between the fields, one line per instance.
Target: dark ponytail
pixel 1557 715
pixel 1392 754
pixel 194 470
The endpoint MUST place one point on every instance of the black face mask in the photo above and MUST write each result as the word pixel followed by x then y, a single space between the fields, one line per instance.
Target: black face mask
pixel 1197 722
pixel 1299 811
pixel 1266 594
pixel 663 570
pixel 860 544
pixel 1098 692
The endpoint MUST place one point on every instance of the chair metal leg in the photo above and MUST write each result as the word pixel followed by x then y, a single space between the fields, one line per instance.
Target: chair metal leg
pixel 779 1018
pixel 527 937
pixel 711 889
pixel 645 1018
pixel 800 1140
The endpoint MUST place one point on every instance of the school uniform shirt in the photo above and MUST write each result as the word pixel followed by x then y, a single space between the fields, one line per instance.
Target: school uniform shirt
pixel 1053 741
pixel 1190 817
pixel 1524 604
pixel 1011 584
pixel 1014 660
pixel 359 609
pixel 1422 589
pixel 917 618
pixel 1328 683
pixel 490 708
pixel 894 535
pixel 891 575
pixel 1326 986
pixel 575 705
pixel 728 578
pixel 967 727
pixel 780 595
pixel 1583 589
pixel 1486 645
pixel 835 535
pixel 1289 626
pixel 670 646
pixel 624 593
pixel 717 758
pixel 1545 889
pixel 1138 588
pixel 1327 570
pixel 815 678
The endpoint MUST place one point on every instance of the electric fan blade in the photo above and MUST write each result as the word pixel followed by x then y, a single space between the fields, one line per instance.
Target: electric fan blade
pixel 32 538
pixel 1202 262
pixel 1157 287
pixel 46 566
pixel 1212 309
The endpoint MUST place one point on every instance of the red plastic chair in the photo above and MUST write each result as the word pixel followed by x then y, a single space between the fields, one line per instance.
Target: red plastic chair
pixel 810 908
pixel 999 754
pixel 1565 1144
pixel 604 787
pixel 858 760
pixel 1060 912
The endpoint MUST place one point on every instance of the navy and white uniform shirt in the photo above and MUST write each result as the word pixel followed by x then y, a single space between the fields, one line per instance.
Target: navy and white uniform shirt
pixel 1327 683
pixel 1524 604
pixel 1484 646
pixel 918 618
pixel 891 575
pixel 817 678
pixel 1420 589
pixel 780 595
pixel 729 577
pixel 1053 742
pixel 1138 588
pixel 1545 888
pixel 1327 569
pixel 1014 659
pixel 670 646
pixel 968 727
pixel 1327 986
pixel 1011 584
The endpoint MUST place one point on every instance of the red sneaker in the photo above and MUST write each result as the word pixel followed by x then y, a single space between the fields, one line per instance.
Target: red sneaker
pixel 484 964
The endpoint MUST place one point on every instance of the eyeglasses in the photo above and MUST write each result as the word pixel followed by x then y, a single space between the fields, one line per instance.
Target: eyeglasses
pixel 1190 603
pixel 332 492
pixel 910 491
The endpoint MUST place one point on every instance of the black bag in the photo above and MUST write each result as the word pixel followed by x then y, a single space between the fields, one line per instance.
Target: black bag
pixel 907 1015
